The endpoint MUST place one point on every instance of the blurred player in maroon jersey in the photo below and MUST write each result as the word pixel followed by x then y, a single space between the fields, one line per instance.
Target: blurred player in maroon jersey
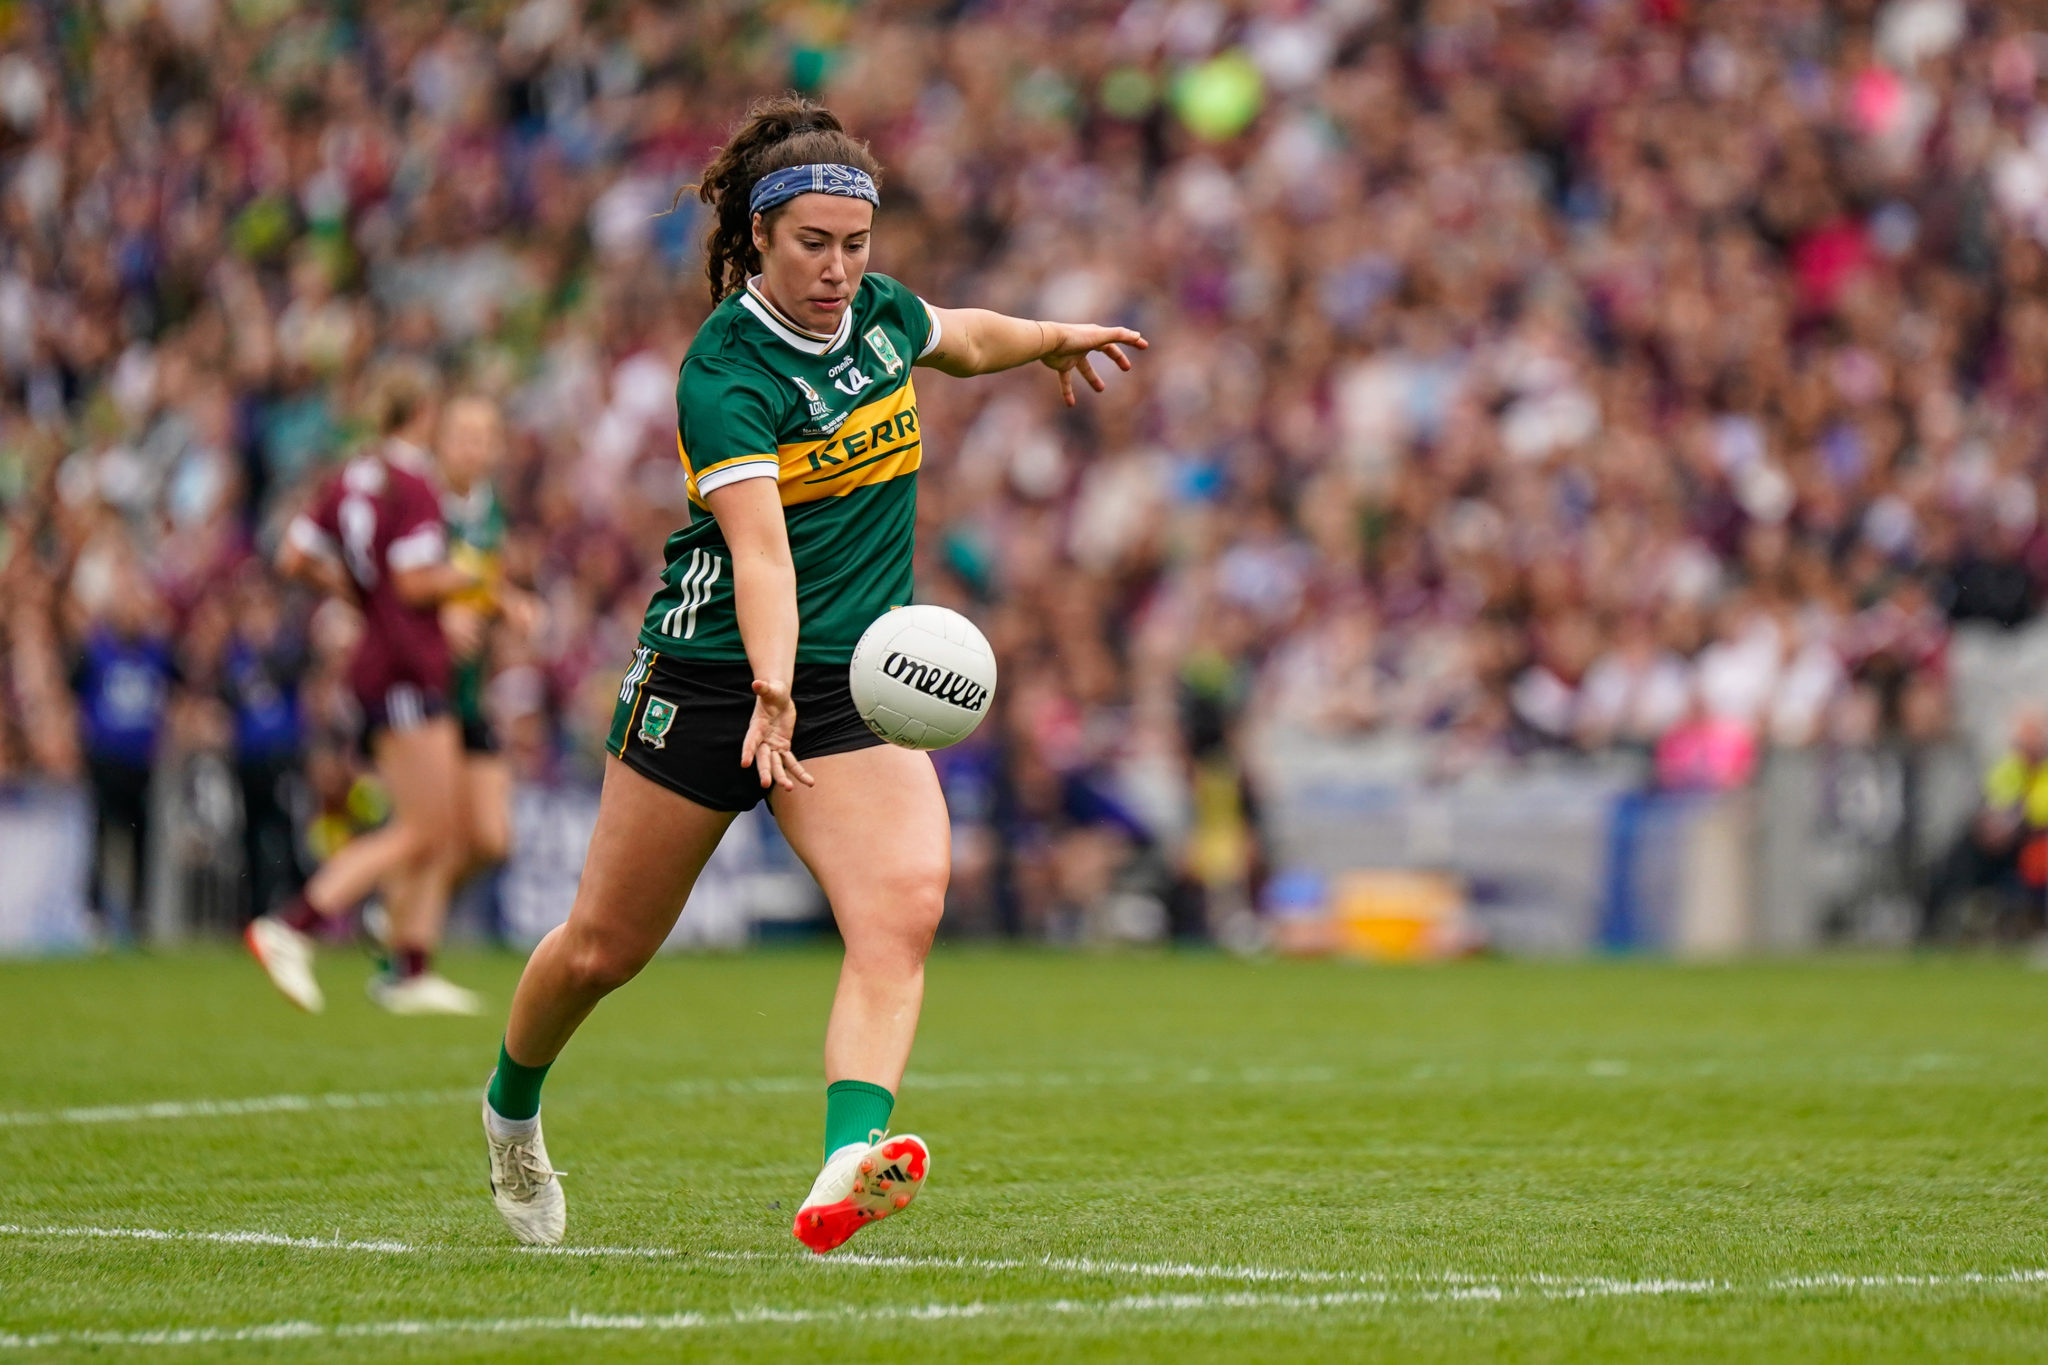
pixel 374 536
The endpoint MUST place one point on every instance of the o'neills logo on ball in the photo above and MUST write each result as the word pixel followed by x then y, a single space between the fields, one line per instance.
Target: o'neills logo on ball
pixel 934 681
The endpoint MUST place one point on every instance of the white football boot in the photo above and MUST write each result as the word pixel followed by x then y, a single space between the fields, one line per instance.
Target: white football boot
pixel 862 1183
pixel 526 1189
pixel 286 956
pixel 427 993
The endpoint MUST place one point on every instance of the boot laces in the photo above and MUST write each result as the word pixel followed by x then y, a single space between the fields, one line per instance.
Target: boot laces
pixel 526 1170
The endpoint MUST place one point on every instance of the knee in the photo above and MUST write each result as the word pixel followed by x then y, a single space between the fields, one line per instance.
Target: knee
pixel 433 841
pixel 902 920
pixel 490 845
pixel 442 858
pixel 440 834
pixel 413 846
pixel 599 964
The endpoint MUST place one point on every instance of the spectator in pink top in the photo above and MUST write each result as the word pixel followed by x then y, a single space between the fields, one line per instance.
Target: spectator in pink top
pixel 1706 752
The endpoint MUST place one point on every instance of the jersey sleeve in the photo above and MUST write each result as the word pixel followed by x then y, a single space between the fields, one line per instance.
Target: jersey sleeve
pixel 727 417
pixel 417 537
pixel 317 530
pixel 918 320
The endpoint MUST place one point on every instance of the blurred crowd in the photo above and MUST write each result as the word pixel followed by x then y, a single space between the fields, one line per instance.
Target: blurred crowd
pixel 1554 376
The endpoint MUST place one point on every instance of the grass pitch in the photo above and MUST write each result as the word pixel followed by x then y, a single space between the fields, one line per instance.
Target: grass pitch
pixel 1156 1158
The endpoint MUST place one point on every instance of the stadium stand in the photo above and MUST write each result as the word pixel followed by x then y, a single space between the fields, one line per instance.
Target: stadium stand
pixel 1613 387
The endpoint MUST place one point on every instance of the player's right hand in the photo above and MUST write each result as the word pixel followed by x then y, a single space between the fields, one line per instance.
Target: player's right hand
pixel 769 733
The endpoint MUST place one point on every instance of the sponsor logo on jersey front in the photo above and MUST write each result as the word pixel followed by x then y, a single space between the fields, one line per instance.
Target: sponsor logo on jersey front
pixel 934 681
pixel 655 722
pixel 880 441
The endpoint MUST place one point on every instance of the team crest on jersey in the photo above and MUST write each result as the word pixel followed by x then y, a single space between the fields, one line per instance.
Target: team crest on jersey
pixel 878 342
pixel 655 723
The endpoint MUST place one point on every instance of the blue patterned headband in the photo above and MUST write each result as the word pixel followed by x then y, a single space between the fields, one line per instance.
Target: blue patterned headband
pixel 779 187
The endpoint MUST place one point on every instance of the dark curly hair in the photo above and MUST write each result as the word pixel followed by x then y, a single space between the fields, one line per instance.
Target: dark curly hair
pixel 787 130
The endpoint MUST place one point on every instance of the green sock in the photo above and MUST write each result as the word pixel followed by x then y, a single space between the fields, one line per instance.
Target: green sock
pixel 515 1088
pixel 853 1110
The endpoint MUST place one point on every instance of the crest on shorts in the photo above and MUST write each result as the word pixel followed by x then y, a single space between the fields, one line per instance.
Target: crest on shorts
pixel 878 342
pixel 655 721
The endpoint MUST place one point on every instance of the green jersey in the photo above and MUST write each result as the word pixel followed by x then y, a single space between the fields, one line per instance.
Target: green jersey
pixel 833 421
pixel 476 542
pixel 476 528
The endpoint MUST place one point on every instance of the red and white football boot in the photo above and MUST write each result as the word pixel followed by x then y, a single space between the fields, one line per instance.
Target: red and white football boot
pixel 862 1183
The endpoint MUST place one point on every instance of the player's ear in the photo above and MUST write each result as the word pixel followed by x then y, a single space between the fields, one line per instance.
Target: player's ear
pixel 760 235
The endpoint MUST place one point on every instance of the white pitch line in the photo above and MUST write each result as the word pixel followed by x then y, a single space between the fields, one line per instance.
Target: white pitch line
pixel 1078 1265
pixel 1968 1277
pixel 1454 1285
pixel 229 1108
pixel 260 1239
pixel 278 1239
pixel 851 1260
pixel 1459 1285
pixel 945 1312
pixel 743 1317
pixel 167 1110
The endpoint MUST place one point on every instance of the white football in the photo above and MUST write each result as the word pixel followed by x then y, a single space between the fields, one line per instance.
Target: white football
pixel 923 677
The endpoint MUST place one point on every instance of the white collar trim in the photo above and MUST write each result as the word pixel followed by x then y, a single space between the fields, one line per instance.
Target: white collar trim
pixel 755 302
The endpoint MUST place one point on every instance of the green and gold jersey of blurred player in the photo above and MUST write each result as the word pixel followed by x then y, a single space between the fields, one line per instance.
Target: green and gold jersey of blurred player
pixel 476 545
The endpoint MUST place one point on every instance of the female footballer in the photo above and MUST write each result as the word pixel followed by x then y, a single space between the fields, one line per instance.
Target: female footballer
pixel 799 433
pixel 374 536
pixel 469 448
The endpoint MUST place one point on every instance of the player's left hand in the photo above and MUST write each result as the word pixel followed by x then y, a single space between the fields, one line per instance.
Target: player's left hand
pixel 523 612
pixel 769 733
pixel 463 627
pixel 1076 342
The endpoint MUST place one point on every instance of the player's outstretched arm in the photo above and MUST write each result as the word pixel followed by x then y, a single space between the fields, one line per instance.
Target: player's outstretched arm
pixel 764 599
pixel 975 341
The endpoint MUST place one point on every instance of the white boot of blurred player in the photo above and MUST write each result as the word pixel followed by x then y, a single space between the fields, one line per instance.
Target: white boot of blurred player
pixel 286 955
pixel 426 993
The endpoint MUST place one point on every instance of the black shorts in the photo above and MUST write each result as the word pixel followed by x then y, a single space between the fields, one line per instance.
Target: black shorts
pixel 476 736
pixel 680 723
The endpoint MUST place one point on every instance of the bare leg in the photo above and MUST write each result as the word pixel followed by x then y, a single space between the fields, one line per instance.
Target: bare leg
pixel 645 854
pixel 422 767
pixel 489 806
pixel 358 867
pixel 874 832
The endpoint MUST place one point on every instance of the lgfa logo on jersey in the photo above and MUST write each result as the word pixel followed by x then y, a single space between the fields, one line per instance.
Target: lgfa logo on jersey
pixel 818 408
pixel 878 342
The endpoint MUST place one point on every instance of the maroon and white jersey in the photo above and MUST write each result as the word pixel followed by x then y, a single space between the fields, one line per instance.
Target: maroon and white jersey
pixel 380 517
